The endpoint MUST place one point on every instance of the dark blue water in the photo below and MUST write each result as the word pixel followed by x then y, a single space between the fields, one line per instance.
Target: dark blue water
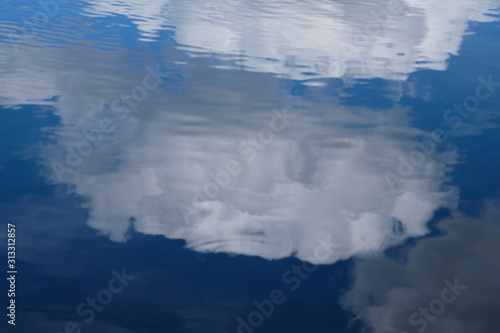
pixel 250 166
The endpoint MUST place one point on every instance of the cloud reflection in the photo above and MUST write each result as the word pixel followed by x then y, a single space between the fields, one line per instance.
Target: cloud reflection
pixel 314 39
pixel 314 178
pixel 385 294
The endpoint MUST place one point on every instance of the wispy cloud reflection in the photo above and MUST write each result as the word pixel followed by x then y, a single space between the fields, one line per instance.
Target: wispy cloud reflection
pixel 150 17
pixel 313 39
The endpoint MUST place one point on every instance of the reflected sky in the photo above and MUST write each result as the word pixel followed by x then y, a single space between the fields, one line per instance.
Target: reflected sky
pixel 248 137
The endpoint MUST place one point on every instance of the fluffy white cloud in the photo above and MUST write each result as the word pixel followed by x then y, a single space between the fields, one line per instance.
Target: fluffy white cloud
pixel 310 180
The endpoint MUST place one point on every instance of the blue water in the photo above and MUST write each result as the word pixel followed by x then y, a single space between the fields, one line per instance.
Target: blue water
pixel 250 166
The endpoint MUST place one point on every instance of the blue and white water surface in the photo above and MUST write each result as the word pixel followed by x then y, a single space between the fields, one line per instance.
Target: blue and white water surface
pixel 251 166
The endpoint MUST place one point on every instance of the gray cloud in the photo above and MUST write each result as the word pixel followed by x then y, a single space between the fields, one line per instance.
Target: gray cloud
pixel 385 293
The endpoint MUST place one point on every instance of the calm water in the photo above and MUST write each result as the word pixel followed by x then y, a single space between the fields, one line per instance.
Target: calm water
pixel 250 166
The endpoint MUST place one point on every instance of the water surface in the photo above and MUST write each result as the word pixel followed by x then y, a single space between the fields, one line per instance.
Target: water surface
pixel 215 151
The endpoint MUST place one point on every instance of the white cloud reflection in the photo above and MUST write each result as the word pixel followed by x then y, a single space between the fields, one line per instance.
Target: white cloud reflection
pixel 311 180
pixel 387 39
